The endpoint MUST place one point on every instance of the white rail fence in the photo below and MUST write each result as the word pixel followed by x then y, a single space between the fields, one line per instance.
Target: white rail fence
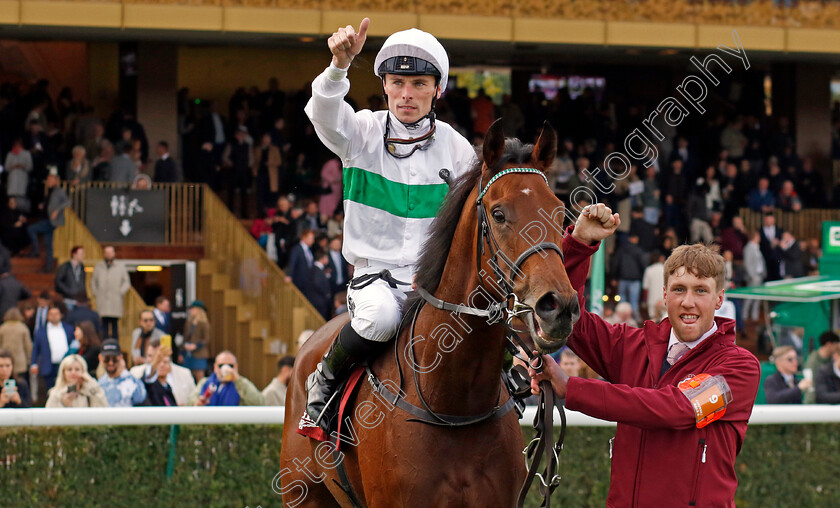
pixel 40 417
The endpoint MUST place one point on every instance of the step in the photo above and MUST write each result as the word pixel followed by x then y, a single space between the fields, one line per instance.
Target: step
pixel 27 265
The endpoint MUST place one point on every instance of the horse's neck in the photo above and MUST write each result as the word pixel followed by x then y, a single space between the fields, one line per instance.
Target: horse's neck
pixel 462 354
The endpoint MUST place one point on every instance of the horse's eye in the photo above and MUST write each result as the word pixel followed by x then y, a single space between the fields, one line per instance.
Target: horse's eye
pixel 498 216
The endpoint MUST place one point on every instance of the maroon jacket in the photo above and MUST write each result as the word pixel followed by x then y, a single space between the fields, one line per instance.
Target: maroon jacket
pixel 659 457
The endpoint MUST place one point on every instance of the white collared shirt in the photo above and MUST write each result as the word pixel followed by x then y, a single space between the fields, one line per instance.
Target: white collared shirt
pixel 691 345
pixel 57 338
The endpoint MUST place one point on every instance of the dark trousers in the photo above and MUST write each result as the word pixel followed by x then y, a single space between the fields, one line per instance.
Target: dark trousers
pixel 46 228
pixel 110 327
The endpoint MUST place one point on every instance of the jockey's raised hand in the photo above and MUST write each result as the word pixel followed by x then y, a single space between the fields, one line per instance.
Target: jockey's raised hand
pixel 595 223
pixel 346 43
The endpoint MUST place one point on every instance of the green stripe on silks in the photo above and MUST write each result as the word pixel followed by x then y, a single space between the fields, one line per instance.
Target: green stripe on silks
pixel 400 199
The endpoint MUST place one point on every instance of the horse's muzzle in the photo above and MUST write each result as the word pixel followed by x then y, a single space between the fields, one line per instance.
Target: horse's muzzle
pixel 555 317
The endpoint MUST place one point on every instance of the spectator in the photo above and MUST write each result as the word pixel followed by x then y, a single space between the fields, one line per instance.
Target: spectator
pixel 300 261
pixel 483 112
pixel 70 278
pixel 732 139
pixel 756 271
pixel 734 238
pixel 163 314
pixel 676 190
pixel 11 291
pixel 267 171
pixel 761 198
pixel 15 339
pixel 237 160
pixel 166 171
pixel 789 255
pixel 339 269
pixel 275 393
pixel 144 333
pixel 628 265
pixel 225 387
pixel 158 389
pixel 50 217
pixel 102 163
pixel 623 315
pixel 643 229
pixel 769 240
pixel 78 168
pixel 311 219
pixel 283 225
pixel 788 200
pixel 19 166
pixel 109 285
pixel 331 180
pixel 123 169
pixel 16 395
pixel 783 387
pixel 318 290
pixel 570 363
pixel 41 311
pixel 13 225
pixel 653 282
pixel 650 196
pixel 75 387
pixel 827 381
pixel 829 344
pixel 810 185
pixel 83 312
pixel 177 379
pixel 121 388
pixel 50 345
pixel 197 339
pixel 89 345
pixel 340 303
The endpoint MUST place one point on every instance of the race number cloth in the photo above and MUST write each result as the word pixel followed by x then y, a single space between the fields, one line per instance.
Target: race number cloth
pixel 709 396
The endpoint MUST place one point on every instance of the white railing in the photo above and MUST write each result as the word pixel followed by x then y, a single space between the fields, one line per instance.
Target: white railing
pixel 88 417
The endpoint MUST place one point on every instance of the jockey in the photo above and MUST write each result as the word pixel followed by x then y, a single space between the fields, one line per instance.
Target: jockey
pixel 393 186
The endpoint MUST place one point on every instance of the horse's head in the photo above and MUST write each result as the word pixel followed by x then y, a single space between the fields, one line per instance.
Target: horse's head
pixel 520 234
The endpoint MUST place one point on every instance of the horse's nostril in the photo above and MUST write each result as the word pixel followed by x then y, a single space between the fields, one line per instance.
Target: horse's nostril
pixel 547 305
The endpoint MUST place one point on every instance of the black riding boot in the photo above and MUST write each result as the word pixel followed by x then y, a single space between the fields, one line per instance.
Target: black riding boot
pixel 348 350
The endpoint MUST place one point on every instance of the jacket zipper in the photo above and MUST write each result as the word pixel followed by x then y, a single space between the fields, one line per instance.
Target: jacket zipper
pixel 702 452
pixel 636 487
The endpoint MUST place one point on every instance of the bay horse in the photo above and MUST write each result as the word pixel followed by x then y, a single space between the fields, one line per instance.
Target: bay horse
pixel 391 458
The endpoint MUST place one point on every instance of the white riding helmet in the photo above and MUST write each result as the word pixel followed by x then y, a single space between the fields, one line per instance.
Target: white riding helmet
pixel 413 52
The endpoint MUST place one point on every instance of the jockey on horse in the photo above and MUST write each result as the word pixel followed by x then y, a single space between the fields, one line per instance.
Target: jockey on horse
pixel 397 164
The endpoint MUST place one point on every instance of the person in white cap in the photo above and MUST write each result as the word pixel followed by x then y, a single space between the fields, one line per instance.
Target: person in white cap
pixel 397 167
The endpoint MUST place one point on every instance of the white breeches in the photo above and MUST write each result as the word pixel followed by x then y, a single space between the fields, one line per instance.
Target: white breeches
pixel 376 309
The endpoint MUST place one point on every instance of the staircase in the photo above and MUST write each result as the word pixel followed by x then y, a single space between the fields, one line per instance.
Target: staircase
pixel 253 311
pixel 29 272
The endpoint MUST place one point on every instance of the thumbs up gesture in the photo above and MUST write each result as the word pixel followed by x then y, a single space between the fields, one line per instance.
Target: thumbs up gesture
pixel 346 43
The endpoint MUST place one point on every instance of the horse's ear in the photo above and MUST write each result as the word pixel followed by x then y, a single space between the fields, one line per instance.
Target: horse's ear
pixel 494 144
pixel 545 149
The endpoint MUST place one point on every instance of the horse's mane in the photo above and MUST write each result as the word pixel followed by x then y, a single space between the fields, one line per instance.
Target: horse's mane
pixel 435 250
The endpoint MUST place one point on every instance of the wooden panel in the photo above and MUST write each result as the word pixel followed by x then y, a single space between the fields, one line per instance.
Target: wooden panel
pixel 87 14
pixel 559 31
pixel 382 24
pixel 479 28
pixel 288 21
pixel 671 35
pixel 173 17
pixel 752 37
pixel 807 40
